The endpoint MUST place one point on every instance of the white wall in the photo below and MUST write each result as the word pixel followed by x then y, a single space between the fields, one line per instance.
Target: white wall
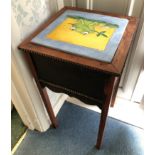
pixel 26 17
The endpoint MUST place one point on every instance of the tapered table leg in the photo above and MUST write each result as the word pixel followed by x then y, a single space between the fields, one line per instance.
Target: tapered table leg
pixel 49 108
pixel 116 85
pixel 42 91
pixel 108 93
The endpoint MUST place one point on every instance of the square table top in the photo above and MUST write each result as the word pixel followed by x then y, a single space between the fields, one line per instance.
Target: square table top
pixel 110 58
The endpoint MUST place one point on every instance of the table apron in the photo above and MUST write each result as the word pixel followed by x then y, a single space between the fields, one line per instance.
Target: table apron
pixel 72 79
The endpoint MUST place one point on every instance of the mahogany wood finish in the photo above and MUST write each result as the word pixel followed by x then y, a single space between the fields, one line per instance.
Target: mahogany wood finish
pixel 50 109
pixel 116 85
pixel 109 72
pixel 42 91
pixel 117 64
pixel 108 92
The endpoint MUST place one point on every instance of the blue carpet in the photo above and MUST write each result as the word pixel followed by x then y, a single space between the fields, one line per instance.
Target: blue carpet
pixel 77 133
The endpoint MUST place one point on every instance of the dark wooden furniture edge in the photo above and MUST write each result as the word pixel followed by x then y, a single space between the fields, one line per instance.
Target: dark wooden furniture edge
pixel 42 91
pixel 108 89
pixel 115 67
pixel 114 93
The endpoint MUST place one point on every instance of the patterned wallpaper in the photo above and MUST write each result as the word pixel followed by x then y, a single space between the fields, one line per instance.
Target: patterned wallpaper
pixel 29 14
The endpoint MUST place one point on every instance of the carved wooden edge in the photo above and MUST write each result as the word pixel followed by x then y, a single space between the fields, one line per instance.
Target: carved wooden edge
pixel 49 108
pixel 66 57
pixel 70 91
pixel 128 37
pixel 108 90
pixel 43 92
pixel 115 67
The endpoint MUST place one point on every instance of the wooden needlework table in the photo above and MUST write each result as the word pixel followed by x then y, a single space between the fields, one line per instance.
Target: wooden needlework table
pixel 93 81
